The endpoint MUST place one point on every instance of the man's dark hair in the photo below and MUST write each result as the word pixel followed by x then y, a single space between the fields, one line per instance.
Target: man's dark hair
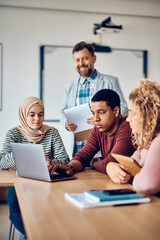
pixel 81 45
pixel 109 96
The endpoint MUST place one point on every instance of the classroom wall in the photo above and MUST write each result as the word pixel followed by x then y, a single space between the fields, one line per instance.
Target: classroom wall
pixel 23 29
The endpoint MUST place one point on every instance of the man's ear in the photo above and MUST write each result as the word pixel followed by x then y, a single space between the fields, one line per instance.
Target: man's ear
pixel 94 58
pixel 116 111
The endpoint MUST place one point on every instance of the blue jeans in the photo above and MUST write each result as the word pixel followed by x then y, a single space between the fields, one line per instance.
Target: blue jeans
pixel 15 214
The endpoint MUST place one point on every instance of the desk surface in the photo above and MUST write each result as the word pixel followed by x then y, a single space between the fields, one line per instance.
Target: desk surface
pixel 47 215
pixel 7 178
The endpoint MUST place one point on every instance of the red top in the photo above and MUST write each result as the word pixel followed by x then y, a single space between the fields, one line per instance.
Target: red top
pixel 119 142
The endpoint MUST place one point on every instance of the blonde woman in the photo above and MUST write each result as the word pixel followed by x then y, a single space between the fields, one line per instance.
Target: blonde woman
pixel 144 120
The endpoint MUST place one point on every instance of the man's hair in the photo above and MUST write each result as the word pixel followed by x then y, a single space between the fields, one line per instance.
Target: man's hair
pixel 81 45
pixel 109 96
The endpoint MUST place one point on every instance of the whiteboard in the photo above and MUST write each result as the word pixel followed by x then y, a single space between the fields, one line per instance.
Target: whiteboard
pixel 57 69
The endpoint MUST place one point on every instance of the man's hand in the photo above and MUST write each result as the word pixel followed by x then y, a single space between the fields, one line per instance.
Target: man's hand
pixel 116 173
pixel 70 126
pixel 61 169
pixel 90 120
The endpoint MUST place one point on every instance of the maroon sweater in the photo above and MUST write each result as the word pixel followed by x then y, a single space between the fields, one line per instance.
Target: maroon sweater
pixel 119 142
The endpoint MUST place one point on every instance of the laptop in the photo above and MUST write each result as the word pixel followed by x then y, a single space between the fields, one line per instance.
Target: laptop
pixel 31 163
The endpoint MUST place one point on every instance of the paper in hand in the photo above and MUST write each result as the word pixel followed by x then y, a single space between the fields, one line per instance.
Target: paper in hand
pixel 78 115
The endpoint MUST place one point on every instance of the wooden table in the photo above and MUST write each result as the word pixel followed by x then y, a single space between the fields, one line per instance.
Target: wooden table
pixel 47 215
pixel 7 178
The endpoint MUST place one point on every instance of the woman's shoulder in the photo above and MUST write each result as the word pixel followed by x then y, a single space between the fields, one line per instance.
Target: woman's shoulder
pixel 13 131
pixel 52 130
pixel 13 134
pixel 156 141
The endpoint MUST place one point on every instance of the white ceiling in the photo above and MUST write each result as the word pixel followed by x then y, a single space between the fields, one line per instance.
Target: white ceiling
pixel 142 1
pixel 146 8
pixel 147 1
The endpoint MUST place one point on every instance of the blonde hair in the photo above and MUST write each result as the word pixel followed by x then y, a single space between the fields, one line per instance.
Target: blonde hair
pixel 146 98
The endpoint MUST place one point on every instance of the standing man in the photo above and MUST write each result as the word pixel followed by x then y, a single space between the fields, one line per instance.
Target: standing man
pixel 90 81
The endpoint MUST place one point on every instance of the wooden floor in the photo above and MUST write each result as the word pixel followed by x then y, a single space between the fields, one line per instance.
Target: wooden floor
pixel 4 222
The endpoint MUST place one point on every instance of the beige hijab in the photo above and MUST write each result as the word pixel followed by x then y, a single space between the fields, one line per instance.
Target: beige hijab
pixel 29 133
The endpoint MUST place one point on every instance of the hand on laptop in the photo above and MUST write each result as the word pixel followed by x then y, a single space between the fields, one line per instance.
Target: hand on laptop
pixel 48 161
pixel 61 169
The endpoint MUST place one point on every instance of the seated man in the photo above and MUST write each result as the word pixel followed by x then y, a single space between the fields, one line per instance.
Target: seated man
pixel 110 134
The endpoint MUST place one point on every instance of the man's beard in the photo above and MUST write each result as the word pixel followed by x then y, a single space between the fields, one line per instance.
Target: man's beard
pixel 85 74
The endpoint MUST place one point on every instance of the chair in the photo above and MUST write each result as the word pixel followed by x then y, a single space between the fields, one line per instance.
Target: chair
pixel 15 214
pixel 11 231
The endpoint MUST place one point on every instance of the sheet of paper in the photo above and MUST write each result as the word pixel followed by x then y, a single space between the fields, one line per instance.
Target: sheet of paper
pixel 78 116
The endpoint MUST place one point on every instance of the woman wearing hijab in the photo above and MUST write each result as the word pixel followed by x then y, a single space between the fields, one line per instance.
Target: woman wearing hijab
pixel 30 130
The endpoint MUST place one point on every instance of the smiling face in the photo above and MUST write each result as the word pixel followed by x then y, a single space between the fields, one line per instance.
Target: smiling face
pixel 35 117
pixel 133 117
pixel 106 119
pixel 84 62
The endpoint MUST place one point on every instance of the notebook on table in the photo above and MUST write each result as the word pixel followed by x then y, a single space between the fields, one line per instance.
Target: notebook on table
pixel 31 163
pixel 101 198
